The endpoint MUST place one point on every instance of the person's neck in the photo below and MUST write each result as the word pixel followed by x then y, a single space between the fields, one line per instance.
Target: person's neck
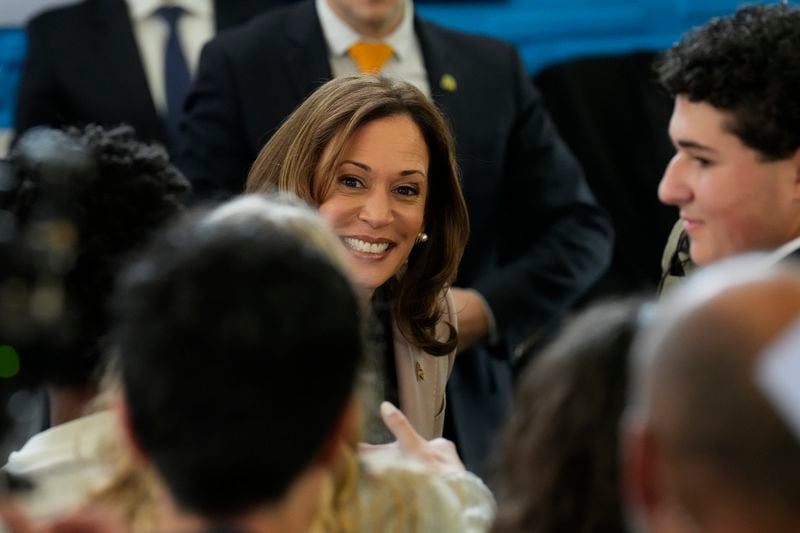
pixel 69 403
pixel 294 513
pixel 377 30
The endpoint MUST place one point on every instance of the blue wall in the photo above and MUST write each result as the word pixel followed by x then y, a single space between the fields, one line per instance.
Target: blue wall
pixel 12 51
pixel 546 31
pixel 549 31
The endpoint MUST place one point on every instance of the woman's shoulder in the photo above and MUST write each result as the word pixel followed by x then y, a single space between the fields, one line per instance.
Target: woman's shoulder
pixel 449 313
pixel 397 493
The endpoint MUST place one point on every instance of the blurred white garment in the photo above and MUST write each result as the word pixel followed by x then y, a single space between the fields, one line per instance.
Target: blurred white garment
pixel 398 493
pixel 66 463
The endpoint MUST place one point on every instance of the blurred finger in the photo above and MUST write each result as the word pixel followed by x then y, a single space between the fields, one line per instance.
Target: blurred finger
pixel 365 447
pixel 401 428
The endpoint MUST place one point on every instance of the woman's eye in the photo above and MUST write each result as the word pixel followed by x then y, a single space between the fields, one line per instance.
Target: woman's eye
pixel 407 190
pixel 703 162
pixel 350 181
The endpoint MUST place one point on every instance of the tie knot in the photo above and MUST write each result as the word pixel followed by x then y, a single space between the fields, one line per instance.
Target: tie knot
pixel 370 57
pixel 170 14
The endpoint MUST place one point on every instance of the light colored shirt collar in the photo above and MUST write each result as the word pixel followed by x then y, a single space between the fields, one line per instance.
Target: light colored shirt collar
pixel 141 9
pixel 784 251
pixel 340 36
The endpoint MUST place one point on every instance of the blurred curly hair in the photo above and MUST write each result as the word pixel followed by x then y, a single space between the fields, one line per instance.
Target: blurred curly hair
pixel 748 65
pixel 85 200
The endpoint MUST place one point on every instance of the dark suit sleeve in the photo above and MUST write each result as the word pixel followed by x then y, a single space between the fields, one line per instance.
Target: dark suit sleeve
pixel 213 151
pixel 40 99
pixel 555 241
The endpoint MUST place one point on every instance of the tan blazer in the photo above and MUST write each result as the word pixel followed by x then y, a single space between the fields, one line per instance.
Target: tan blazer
pixel 421 377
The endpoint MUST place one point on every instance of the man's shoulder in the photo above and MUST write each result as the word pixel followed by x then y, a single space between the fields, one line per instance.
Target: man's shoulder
pixel 63 17
pixel 267 29
pixel 470 44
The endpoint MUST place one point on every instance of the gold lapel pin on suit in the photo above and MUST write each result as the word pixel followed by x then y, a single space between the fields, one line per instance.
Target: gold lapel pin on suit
pixel 448 83
pixel 420 372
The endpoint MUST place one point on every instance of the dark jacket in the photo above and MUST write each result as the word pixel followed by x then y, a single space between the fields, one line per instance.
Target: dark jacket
pixel 83 66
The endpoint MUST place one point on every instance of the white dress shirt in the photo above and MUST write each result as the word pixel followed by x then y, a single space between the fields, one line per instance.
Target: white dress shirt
pixel 406 62
pixel 195 28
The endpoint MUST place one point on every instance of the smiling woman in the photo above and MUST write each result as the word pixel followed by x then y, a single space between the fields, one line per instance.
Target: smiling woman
pixel 377 159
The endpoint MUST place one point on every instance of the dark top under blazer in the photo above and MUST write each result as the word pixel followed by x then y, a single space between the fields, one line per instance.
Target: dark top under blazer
pixel 538 238
pixel 83 66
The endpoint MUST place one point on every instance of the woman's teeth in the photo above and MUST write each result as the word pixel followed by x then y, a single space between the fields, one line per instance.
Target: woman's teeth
pixel 367 247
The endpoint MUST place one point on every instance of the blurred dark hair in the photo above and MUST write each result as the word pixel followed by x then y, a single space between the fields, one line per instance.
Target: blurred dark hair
pixel 558 469
pixel 239 340
pixel 746 64
pixel 75 204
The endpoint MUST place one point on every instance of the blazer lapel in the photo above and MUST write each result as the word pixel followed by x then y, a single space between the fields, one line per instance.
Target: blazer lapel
pixel 443 76
pixel 231 13
pixel 226 14
pixel 307 59
pixel 120 57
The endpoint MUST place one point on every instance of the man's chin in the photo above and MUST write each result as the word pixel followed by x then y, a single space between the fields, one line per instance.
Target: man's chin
pixel 701 255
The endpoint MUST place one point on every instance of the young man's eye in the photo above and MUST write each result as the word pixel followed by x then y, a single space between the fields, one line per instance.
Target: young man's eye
pixel 703 162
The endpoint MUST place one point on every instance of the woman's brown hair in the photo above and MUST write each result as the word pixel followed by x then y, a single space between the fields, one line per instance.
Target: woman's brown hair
pixel 294 156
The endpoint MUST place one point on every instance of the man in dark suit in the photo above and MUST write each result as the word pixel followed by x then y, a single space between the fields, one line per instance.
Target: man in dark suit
pixel 86 63
pixel 538 238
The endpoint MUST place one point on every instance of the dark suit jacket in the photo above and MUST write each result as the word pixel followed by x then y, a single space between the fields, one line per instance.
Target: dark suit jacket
pixel 538 239
pixel 83 66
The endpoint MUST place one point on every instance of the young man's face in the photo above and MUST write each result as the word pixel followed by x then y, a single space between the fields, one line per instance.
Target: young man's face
pixel 730 200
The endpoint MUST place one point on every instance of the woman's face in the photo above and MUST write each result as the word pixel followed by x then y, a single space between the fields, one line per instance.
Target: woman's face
pixel 376 200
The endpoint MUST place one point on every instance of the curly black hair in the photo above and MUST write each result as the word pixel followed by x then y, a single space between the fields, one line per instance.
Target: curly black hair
pixel 747 64
pixel 83 201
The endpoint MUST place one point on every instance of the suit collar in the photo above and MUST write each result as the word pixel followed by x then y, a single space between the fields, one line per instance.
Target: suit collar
pixel 117 50
pixel 140 9
pixel 307 59
pixel 339 36
pixel 438 64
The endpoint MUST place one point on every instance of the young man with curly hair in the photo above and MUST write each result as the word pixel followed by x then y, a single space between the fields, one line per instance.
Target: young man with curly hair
pixel 736 173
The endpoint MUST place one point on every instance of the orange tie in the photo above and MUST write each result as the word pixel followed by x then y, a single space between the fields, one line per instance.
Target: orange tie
pixel 370 57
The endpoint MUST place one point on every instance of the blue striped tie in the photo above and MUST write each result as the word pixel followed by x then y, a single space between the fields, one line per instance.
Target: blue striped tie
pixel 176 71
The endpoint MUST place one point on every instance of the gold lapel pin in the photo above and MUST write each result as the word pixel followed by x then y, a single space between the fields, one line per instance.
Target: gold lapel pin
pixel 448 82
pixel 420 371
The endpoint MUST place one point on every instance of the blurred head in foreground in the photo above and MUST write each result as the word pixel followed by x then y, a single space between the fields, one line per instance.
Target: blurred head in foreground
pixel 559 456
pixel 239 341
pixel 75 205
pixel 706 450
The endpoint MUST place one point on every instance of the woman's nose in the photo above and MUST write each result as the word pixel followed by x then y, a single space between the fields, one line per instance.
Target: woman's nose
pixel 377 209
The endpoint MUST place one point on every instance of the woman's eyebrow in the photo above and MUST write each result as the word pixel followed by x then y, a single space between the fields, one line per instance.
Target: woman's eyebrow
pixel 358 164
